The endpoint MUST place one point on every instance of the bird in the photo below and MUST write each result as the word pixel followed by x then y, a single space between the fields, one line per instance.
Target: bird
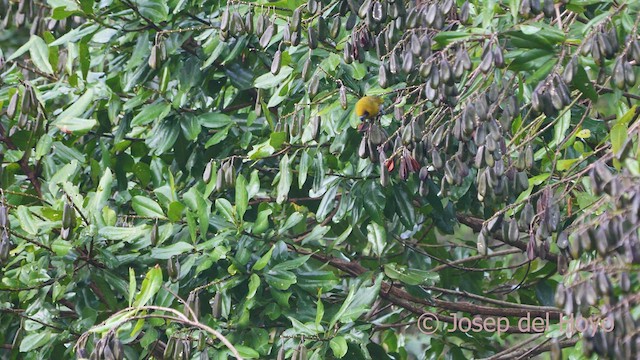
pixel 368 107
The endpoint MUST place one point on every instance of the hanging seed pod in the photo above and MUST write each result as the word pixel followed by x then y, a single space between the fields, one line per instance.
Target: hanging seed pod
pixel 526 217
pixel 315 123
pixel 415 45
pixel 618 78
pixel 407 62
pixel 445 72
pixel 629 74
pixel 312 36
pixel 446 6
pixel 436 160
pixel 343 97
pixel 612 35
pixel 487 59
pixel 430 16
pixel 153 57
pixel 306 69
pixel 275 64
pixel 382 76
pixel 525 8
pixel 4 217
pixel 514 233
pixel 394 63
pixel 633 52
pixel 229 174
pixel 236 24
pixel 312 6
pixel 348 53
pixel 362 149
pixel 548 8
pixel 335 27
pixel 314 83
pixel 220 180
pixel 296 20
pixel 248 22
pixel 536 102
pixel 498 57
pixel 117 349
pixel 481 244
pixel 153 236
pixel 351 21
pixel 173 268
pixel 265 39
pixel 570 70
pixel 464 13
pixel 364 9
pixel 604 45
pixel 556 100
pixel 224 20
pixel 216 305
pixel 379 11
pixel 261 24
pixel 322 28
pixel 13 105
pixel 425 68
pixel 536 6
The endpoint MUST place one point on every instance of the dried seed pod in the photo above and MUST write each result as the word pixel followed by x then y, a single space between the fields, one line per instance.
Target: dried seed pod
pixel 236 25
pixel 487 59
pixel 394 63
pixel 173 268
pixel 275 64
pixel 481 244
pixel 220 180
pixel 267 35
pixel 625 282
pixel 13 105
pixel 446 6
pixel 153 57
pixel 312 6
pixel 261 24
pixel 248 21
pixel 525 8
pixel 312 36
pixel 570 70
pixel 343 97
pixel 362 149
pixel 314 83
pixel 407 62
pixel 548 9
pixel 153 236
pixel 464 12
pixel 296 20
pixel 315 126
pixel 348 53
pixel 382 76
pixel 536 6
pixel 498 57
pixel 224 20
pixel 618 78
pixel 306 69
pixel 335 27
pixel 351 21
pixel 629 74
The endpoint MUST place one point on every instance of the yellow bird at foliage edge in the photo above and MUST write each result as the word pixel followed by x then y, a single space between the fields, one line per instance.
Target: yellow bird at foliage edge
pixel 368 107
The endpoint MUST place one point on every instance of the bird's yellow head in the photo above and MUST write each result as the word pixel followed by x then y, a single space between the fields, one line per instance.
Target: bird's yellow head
pixel 368 107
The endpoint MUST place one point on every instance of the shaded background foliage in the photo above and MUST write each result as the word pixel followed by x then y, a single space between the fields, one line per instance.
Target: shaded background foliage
pixel 204 157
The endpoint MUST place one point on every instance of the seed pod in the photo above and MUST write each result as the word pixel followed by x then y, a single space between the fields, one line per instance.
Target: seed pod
pixel 173 268
pixel 629 74
pixel 464 13
pixel 382 76
pixel 425 68
pixel 498 57
pixel 525 8
pixel 379 11
pixel 556 100
pixel 364 9
pixel 306 69
pixel 362 149
pixel 312 6
pixel 430 16
pixel 267 35
pixel 312 36
pixel 153 236
pixel 248 22
pixel 446 6
pixel 68 216
pixel 224 20
pixel 261 23
pixel 313 86
pixel 535 6
pixel 169 348
pixel 487 59
pixel 548 8
pixel 604 45
pixel 522 181
pixel 13 105
pixel 343 97
pixel 236 26
pixel 394 63
pixel 296 20
pixel 4 216
pixel 570 70
pixel 153 57
pixel 481 244
pixel 348 53
pixel 335 27
pixel 275 64
pixel 351 21
pixel 618 78
pixel 407 62
pixel 315 126
pixel 436 160
pixel 229 173
pixel 634 51
pixel 513 231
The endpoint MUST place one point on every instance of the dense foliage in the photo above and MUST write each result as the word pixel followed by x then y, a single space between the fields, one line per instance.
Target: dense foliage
pixel 188 179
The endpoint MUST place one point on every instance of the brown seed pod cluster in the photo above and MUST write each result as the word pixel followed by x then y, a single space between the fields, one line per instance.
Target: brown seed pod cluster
pixel 5 225
pixel 173 268
pixel 178 349
pixel 226 175
pixel 529 8
pixel 551 96
pixel 108 347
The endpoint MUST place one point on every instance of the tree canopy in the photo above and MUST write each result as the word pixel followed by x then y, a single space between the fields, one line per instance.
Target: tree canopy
pixel 188 179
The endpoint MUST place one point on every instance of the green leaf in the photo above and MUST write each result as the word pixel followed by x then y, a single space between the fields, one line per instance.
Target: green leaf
pixel 339 346
pixel 254 283
pixel 268 80
pixel 292 264
pixel 167 252
pixel 410 276
pixel 77 108
pixel 214 120
pixel 285 180
pixel 40 54
pixel 280 279
pixel 374 200
pixel 76 125
pixel 34 341
pixel 26 220
pixel 242 196
pixel 146 207
pixel 618 137
pixel 225 209
pixel 132 285
pixel 150 113
pixel 128 234
pixel 154 10
pixel 219 136
pixel 377 237
pixel 150 286
pixel 264 260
